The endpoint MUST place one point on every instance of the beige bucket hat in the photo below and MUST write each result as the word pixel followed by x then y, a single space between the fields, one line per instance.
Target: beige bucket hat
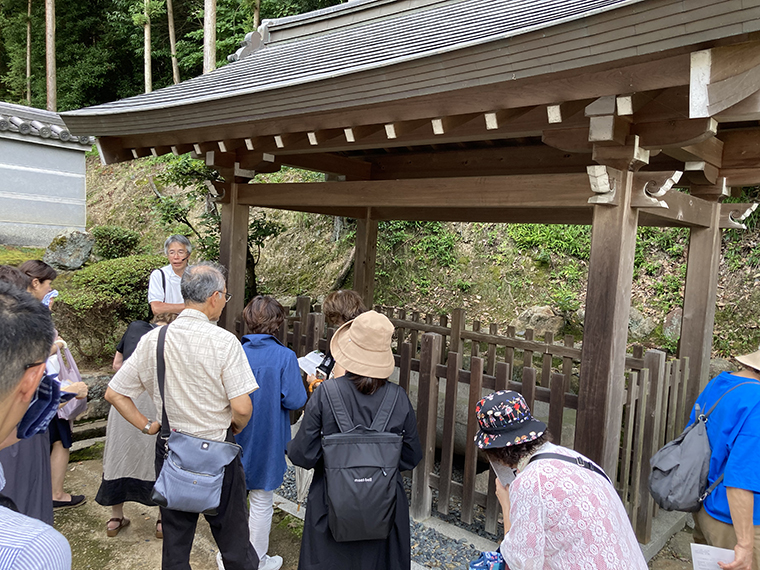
pixel 363 345
pixel 751 360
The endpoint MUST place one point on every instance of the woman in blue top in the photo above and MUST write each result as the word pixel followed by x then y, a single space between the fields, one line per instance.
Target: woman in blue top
pixel 264 439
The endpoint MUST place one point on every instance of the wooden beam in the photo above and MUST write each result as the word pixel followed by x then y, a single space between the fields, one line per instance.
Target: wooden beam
pixel 709 150
pixel 608 298
pixel 549 190
pixel 366 253
pixel 684 209
pixel 722 77
pixel 701 172
pixel 700 290
pixel 256 162
pixel 352 169
pixel 233 246
pixel 741 149
pixel 746 110
pixel 179 150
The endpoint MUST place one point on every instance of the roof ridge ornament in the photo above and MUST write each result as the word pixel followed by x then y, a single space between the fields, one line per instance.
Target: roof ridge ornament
pixel 253 42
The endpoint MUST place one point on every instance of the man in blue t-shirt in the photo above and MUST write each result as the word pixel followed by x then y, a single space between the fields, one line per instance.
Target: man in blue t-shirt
pixel 26 335
pixel 730 515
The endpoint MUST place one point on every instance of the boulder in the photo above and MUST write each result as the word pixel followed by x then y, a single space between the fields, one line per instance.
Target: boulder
pixel 671 328
pixel 69 250
pixel 541 320
pixel 97 407
pixel 640 326
pixel 718 365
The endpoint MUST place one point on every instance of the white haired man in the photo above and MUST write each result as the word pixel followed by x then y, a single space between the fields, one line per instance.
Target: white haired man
pixel 164 289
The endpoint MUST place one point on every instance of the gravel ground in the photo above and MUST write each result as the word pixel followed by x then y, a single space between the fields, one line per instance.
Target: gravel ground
pixel 429 547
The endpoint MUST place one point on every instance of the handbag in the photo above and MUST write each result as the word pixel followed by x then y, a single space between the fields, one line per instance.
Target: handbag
pixel 68 375
pixel 193 471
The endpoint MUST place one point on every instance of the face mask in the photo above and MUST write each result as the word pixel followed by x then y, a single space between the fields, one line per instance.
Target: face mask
pixel 42 408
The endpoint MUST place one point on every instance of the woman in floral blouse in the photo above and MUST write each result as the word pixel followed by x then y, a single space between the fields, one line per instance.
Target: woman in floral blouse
pixel 560 510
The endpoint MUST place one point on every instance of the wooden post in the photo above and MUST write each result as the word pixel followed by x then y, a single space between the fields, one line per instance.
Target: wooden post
pixel 233 245
pixel 364 262
pixel 457 326
pixel 699 305
pixel 50 69
pixel 427 414
pixel 608 301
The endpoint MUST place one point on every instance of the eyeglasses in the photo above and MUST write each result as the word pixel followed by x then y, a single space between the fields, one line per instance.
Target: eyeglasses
pixel 33 364
pixel 227 296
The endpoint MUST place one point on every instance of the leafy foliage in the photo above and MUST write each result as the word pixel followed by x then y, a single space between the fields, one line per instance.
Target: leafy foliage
pixel 98 298
pixel 114 241
pixel 100 46
pixel 574 241
pixel 428 241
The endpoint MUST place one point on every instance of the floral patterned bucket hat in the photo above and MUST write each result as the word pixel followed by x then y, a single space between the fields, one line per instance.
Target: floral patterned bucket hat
pixel 505 419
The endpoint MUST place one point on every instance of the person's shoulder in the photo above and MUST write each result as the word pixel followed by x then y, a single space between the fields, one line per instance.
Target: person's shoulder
pixel 37 544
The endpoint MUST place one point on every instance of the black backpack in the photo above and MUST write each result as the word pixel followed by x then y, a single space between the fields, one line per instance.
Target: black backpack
pixel 361 466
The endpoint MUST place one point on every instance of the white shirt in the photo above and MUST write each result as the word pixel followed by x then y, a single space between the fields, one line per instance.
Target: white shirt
pixel 567 517
pixel 173 293
pixel 205 368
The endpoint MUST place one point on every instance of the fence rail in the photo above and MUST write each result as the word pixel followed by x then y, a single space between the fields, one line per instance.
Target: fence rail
pixel 445 357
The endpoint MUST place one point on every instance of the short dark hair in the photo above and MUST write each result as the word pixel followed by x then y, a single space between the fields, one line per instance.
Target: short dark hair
pixel 26 334
pixel 37 269
pixel 263 315
pixel 342 306
pixel 365 384
pixel 512 454
pixel 15 276
pixel 165 318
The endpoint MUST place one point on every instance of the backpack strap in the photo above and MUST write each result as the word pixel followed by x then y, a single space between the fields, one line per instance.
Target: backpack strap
pixel 575 460
pixel 340 412
pixel 337 405
pixel 386 409
pixel 163 283
pixel 161 373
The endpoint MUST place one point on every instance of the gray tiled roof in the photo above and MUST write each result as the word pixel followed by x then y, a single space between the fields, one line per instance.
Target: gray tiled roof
pixel 438 27
pixel 39 123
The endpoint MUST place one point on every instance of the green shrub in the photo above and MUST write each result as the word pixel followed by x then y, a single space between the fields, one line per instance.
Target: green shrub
pixel 112 242
pixel 100 298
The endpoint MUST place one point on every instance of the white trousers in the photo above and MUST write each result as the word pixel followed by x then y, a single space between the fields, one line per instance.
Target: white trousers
pixel 260 520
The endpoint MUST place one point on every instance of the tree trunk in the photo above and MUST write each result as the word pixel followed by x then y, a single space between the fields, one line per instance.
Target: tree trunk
pixel 256 14
pixel 209 36
pixel 148 68
pixel 29 54
pixel 52 102
pixel 172 41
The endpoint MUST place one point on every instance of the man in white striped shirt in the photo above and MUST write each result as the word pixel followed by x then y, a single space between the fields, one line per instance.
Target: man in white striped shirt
pixel 26 335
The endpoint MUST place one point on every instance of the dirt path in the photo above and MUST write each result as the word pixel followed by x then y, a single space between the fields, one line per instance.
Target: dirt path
pixel 136 546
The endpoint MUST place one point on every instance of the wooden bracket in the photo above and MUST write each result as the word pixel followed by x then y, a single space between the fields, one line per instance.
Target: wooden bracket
pixel 220 160
pixel 218 190
pixel 711 192
pixel 732 216
pixel 629 157
pixel 649 187
pixel 605 182
pixel 701 172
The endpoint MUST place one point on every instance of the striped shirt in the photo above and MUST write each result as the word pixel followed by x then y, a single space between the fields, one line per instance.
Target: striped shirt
pixel 205 369
pixel 29 544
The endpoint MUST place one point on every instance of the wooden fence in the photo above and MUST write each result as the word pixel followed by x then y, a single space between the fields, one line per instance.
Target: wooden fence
pixel 438 355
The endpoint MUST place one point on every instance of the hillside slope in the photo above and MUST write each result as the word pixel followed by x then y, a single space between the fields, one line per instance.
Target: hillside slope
pixel 494 271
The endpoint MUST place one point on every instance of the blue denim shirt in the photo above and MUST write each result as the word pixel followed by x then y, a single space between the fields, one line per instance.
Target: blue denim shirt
pixel 280 390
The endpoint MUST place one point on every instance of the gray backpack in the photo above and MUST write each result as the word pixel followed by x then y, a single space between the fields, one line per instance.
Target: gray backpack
pixel 360 470
pixel 678 481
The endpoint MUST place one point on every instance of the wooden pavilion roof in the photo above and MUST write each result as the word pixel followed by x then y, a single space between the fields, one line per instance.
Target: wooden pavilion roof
pixel 496 104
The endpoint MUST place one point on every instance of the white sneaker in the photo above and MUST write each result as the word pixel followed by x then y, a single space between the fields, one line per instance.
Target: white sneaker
pixel 266 563
pixel 270 563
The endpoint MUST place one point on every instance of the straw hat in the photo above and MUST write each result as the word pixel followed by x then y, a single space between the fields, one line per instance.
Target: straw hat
pixel 363 346
pixel 505 419
pixel 750 360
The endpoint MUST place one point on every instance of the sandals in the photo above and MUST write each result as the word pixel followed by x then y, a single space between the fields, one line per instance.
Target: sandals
pixel 159 532
pixel 123 522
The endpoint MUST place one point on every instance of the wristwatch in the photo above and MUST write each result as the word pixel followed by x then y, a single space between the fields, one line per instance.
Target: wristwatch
pixel 146 429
